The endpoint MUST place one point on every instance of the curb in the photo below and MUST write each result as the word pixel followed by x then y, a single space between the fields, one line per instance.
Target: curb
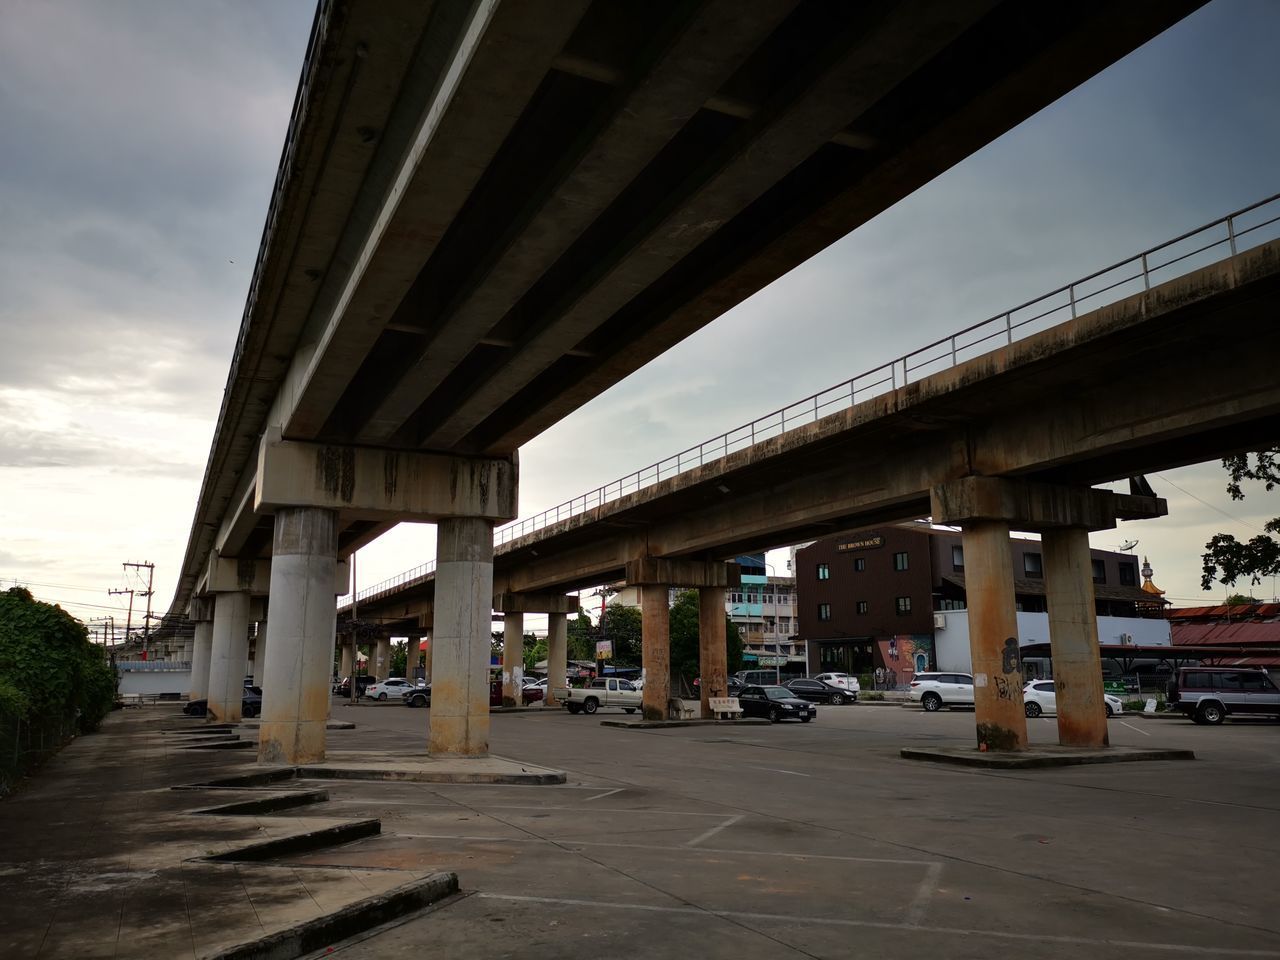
pixel 996 761
pixel 300 842
pixel 356 918
pixel 280 801
pixel 428 776
pixel 662 724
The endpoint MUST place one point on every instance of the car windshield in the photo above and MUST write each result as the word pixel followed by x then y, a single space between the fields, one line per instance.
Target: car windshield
pixel 778 693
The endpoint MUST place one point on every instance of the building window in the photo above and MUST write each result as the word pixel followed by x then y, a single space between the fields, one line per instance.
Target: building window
pixel 957 558
pixel 903 605
pixel 1128 575
pixel 1032 565
pixel 1099 571
pixel 824 572
pixel 900 561
pixel 862 608
pixel 824 611
pixel 859 564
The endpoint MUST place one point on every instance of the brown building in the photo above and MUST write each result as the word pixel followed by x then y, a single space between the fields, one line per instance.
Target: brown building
pixel 865 600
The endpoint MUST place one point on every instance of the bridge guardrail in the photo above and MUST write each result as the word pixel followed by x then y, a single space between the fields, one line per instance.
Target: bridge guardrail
pixel 1191 250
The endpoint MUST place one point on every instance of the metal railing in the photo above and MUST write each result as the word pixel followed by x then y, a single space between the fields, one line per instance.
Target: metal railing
pixel 1191 250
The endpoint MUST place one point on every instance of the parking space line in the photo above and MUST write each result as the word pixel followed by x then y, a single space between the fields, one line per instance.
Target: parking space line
pixel 1179 948
pixel 729 822
pixel 924 894
pixel 1132 727
pixel 601 796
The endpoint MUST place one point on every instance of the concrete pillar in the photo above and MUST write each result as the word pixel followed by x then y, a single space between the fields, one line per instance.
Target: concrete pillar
pixel 512 658
pixel 259 653
pixel 202 651
pixel 426 657
pixel 656 653
pixel 295 702
pixel 993 636
pixel 713 665
pixel 459 723
pixel 381 667
pixel 557 658
pixel 229 657
pixel 1073 636
pixel 346 659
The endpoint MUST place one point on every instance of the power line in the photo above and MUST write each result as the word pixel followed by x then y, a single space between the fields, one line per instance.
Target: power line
pixel 1243 523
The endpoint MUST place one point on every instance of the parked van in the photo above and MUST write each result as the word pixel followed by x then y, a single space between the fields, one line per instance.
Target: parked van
pixel 1211 694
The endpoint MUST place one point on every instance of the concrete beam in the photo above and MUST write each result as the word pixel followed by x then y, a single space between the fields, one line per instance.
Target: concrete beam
pixel 1034 507
pixel 370 484
pixel 239 521
pixel 534 603
pixel 237 575
pixel 659 571
pixel 200 609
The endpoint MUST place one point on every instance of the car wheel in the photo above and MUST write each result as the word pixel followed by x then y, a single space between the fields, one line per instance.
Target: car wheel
pixel 805 719
pixel 1110 713
pixel 382 695
pixel 629 709
pixel 590 705
pixel 931 702
pixel 574 707
pixel 1211 713
pixel 412 702
pixel 836 699
pixel 1033 709
pixel 775 715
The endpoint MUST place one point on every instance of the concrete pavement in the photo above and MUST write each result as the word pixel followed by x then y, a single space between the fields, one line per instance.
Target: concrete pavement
pixel 778 841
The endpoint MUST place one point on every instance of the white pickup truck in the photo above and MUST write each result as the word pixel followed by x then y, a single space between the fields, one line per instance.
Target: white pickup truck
pixel 604 692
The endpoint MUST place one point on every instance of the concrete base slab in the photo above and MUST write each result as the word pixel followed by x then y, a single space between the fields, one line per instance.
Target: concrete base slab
pixel 661 724
pixel 1045 755
pixel 434 770
pixel 329 725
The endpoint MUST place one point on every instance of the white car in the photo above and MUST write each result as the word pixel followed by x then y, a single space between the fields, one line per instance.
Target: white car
pixel 1039 697
pixel 934 690
pixel 841 680
pixel 392 687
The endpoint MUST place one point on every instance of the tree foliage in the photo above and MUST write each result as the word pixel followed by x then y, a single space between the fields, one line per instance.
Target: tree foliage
pixel 1227 559
pixel 581 641
pixel 622 626
pixel 48 667
pixel 685 656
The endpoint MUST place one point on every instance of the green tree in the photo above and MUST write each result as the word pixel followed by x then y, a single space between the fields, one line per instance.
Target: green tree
pixel 1227 559
pixel 1236 599
pixel 399 658
pixel 535 650
pixel 48 668
pixel 622 626
pixel 581 642
pixel 685 636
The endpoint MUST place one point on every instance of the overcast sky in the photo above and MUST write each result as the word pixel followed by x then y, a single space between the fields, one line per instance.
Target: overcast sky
pixel 140 143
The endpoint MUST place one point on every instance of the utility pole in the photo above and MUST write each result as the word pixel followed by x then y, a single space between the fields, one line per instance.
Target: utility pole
pixel 128 623
pixel 146 623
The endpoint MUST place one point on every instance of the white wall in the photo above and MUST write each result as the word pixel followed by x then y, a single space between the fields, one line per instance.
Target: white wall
pixel 155 681
pixel 952 641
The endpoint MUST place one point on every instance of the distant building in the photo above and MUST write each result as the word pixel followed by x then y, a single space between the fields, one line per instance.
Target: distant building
pixel 890 601
pixel 1239 625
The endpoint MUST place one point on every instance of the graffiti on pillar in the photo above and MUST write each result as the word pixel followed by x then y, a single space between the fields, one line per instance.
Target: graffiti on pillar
pixel 1003 690
pixel 1011 662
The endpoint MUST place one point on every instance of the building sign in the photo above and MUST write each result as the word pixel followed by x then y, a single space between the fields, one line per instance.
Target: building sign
pixel 866 543
pixel 604 649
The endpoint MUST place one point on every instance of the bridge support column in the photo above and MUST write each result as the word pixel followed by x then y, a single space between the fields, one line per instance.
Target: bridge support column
pixel 229 657
pixel 459 724
pixel 712 655
pixel 1073 637
pixel 299 650
pixel 993 636
pixel 655 629
pixel 201 648
pixel 346 660
pixel 259 653
pixel 381 664
pixel 512 659
pixel 557 658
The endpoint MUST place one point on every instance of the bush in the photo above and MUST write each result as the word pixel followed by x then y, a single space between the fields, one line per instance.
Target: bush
pixel 876 695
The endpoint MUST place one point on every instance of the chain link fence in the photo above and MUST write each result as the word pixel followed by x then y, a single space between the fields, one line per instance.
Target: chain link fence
pixel 27 742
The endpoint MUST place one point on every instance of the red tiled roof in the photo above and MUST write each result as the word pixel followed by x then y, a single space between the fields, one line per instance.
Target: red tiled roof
pixel 1236 632
pixel 1239 611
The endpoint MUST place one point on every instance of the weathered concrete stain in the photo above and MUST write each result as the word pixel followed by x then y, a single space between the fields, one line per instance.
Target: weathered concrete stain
pixel 390 474
pixel 336 471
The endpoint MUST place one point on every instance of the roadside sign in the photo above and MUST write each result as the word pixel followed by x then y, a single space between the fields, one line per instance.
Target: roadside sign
pixel 604 649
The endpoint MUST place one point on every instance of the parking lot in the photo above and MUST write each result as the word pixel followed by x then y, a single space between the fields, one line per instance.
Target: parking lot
pixel 818 840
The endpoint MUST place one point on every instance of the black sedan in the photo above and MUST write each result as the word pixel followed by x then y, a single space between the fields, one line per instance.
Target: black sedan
pixel 250 705
pixel 817 691
pixel 775 703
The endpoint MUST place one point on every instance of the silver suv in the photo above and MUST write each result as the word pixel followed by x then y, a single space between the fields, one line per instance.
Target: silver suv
pixel 935 690
pixel 1209 694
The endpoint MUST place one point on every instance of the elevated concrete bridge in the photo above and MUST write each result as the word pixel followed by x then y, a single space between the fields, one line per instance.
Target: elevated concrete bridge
pixel 1146 383
pixel 487 213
